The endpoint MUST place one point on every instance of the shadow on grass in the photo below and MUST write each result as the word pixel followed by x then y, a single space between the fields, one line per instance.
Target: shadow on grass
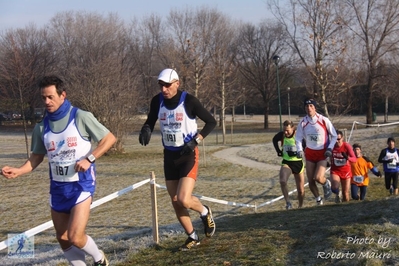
pixel 13 156
pixel 353 233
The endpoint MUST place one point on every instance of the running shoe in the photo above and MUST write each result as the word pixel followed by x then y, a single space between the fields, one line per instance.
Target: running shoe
pixel 288 206
pixel 102 262
pixel 391 190
pixel 209 223
pixel 327 189
pixel 189 244
pixel 338 197
pixel 319 202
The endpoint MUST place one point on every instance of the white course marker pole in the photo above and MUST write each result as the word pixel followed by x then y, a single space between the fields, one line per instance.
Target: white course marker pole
pixel 153 187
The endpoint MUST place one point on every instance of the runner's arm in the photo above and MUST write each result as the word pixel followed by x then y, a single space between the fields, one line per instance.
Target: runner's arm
pixel 196 109
pixel 33 161
pixel 331 132
pixel 153 113
pixel 277 138
pixel 382 156
pixel 299 136
pixel 351 155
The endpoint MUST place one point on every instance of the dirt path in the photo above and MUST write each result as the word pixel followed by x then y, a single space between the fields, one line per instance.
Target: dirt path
pixel 232 155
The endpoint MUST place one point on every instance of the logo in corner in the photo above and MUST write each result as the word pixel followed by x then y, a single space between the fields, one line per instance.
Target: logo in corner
pixel 20 246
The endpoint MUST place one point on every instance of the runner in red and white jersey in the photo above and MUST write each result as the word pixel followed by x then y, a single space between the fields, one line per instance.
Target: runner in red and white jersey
pixel 320 136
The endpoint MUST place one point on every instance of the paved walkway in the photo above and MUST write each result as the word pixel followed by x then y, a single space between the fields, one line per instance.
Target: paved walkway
pixel 231 155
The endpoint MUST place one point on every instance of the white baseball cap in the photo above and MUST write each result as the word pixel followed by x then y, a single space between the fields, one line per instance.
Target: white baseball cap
pixel 168 75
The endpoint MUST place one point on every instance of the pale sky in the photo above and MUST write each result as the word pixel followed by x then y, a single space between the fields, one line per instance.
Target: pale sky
pixel 20 13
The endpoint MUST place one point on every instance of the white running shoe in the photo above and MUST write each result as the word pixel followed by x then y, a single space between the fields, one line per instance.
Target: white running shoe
pixel 338 197
pixel 319 202
pixel 102 262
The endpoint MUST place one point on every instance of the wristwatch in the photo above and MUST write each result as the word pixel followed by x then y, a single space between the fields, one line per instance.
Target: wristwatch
pixel 198 140
pixel 91 158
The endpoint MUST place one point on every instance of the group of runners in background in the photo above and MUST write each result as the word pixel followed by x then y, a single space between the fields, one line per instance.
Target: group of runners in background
pixel 316 139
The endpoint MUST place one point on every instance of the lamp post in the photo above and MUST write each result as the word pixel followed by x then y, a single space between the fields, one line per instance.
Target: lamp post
pixel 289 111
pixel 245 115
pixel 276 59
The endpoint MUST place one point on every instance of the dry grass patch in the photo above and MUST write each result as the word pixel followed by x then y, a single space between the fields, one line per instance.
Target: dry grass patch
pixel 308 236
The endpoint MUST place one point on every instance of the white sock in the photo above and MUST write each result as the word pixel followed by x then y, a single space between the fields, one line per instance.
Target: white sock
pixel 193 235
pixel 92 249
pixel 75 256
pixel 204 211
pixel 318 198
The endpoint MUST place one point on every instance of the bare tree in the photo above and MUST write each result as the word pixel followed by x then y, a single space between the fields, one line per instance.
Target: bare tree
pixel 24 55
pixel 193 31
pixel 222 54
pixel 375 25
pixel 147 44
pixel 386 81
pixel 99 69
pixel 315 31
pixel 256 47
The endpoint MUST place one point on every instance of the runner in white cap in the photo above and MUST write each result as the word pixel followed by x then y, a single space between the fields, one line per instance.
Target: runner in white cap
pixel 176 111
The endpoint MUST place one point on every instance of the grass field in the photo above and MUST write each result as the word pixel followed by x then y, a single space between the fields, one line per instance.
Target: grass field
pixel 353 233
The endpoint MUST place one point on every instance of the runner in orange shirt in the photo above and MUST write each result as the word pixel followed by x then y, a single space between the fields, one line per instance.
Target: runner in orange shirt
pixel 360 178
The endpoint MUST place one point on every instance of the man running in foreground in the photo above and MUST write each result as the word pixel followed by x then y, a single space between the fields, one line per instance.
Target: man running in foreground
pixel 177 111
pixel 320 136
pixel 65 135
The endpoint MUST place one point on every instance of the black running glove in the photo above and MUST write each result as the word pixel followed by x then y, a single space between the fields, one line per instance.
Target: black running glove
pixel 328 152
pixel 188 147
pixel 145 135
pixel 280 154
pixel 345 155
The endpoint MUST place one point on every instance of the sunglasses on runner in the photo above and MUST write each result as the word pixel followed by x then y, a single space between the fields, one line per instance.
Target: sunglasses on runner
pixel 164 84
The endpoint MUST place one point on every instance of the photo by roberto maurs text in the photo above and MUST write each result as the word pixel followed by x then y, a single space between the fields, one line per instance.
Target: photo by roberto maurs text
pixel 374 248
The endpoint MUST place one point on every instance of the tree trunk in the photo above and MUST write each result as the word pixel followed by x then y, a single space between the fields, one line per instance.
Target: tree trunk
pixel 386 110
pixel 369 114
pixel 266 117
